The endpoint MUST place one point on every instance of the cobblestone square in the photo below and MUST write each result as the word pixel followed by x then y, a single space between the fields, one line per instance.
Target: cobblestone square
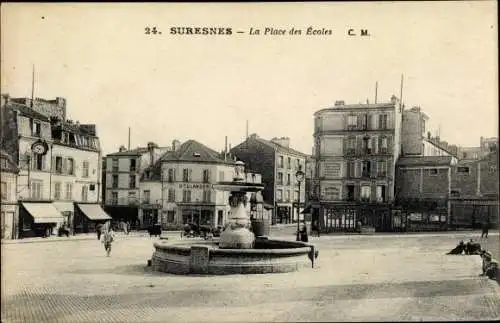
pixel 357 278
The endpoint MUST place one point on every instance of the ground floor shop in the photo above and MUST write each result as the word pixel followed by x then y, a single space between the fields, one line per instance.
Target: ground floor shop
pixel 38 219
pixel 88 217
pixel 176 216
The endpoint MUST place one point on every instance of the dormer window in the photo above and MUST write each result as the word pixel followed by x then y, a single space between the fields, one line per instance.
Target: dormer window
pixel 195 154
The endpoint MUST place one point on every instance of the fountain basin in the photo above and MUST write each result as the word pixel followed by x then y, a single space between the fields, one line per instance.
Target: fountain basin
pixel 205 257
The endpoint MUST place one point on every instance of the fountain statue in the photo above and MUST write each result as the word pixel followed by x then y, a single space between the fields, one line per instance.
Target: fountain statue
pixel 237 234
pixel 238 250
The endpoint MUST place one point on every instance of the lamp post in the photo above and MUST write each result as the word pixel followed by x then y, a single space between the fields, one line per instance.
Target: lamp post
pixel 299 175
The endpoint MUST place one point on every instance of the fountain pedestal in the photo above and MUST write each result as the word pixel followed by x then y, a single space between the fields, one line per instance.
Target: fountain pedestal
pixel 237 234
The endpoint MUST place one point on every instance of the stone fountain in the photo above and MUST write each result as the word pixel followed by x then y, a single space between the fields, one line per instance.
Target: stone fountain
pixel 238 250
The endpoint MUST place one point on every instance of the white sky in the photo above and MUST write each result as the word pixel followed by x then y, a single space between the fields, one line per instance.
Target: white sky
pixel 205 87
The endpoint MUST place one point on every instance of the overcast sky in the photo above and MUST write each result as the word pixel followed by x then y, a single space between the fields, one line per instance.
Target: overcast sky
pixel 167 87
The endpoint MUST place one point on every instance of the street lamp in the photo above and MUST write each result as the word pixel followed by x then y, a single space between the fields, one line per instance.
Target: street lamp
pixel 299 175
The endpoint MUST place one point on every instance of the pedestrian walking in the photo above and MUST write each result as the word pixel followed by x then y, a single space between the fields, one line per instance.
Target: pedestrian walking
pixel 486 227
pixel 107 240
pixel 315 227
pixel 128 227
pixel 98 230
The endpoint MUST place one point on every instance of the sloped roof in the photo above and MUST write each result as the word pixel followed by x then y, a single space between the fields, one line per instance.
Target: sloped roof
pixel 189 151
pixel 132 152
pixel 28 112
pixel 425 161
pixel 193 151
pixel 279 148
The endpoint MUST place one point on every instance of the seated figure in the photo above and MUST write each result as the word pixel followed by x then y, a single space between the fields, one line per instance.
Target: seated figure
pixel 472 248
pixel 458 250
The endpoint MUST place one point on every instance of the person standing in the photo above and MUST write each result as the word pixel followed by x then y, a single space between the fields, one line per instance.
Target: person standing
pixel 99 231
pixel 107 240
pixel 486 227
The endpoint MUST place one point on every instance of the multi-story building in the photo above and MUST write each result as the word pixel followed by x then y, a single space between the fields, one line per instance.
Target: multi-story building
pixel 8 196
pixel 356 148
pixel 417 141
pixel 59 165
pixel 486 145
pixel 277 162
pixel 474 191
pixel 183 185
pixel 423 187
pixel 123 172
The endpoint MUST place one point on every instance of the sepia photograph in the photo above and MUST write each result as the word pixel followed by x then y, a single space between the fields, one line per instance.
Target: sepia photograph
pixel 249 162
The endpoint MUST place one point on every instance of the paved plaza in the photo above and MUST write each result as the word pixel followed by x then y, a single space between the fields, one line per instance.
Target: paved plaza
pixel 357 278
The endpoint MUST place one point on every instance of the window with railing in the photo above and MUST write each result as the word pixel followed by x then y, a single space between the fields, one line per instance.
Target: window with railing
pixel 133 165
pixel 71 166
pixel 186 196
pixel 366 168
pixel 366 193
pixel 383 145
pixel 281 162
pixel 36 188
pixel 280 178
pixel 114 198
pixel 114 165
pixel 206 176
pixel 186 175
pixel 170 175
pixel 351 146
pixel 85 193
pixel 114 181
pixel 132 181
pixel 171 195
pixel 85 169
pixel 289 163
pixel 147 197
pixel 279 195
pixel 382 121
pixel 352 121
pixel 69 191
pixel 3 191
pixel 381 168
pixel 132 197
pixel 57 191
pixel 207 196
pixel 288 179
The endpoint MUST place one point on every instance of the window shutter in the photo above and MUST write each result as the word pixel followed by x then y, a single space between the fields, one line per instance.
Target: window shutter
pixel 389 144
pixel 373 168
pixel 357 169
pixel 359 145
pixel 345 140
pixel 64 165
pixel 374 145
pixel 53 164
pixel 369 122
pixel 360 121
pixel 190 174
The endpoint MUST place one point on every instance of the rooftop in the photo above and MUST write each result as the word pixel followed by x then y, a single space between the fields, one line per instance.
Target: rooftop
pixel 425 161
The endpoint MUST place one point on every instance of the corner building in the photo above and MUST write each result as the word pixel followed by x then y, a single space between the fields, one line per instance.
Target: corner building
pixel 356 147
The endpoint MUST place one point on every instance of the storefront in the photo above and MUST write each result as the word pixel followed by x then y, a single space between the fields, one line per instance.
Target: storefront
pixel 88 217
pixel 38 219
pixel 67 210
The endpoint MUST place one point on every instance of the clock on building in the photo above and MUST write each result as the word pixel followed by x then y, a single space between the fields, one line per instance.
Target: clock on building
pixel 39 147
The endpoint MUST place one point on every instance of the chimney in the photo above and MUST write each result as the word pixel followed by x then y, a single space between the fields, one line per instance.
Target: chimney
pixel 151 149
pixel 339 102
pixel 175 144
pixel 283 141
pixel 122 148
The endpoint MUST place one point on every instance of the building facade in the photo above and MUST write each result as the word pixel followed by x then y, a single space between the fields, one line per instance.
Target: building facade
pixel 423 187
pixel 59 167
pixel 277 162
pixel 356 148
pixel 183 186
pixel 474 191
pixel 124 170
pixel 8 205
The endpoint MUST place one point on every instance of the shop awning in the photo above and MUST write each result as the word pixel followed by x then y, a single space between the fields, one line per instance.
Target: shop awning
pixel 43 212
pixel 93 212
pixel 64 206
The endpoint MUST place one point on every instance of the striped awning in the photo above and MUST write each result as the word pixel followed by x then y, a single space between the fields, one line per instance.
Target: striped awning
pixel 43 212
pixel 94 212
